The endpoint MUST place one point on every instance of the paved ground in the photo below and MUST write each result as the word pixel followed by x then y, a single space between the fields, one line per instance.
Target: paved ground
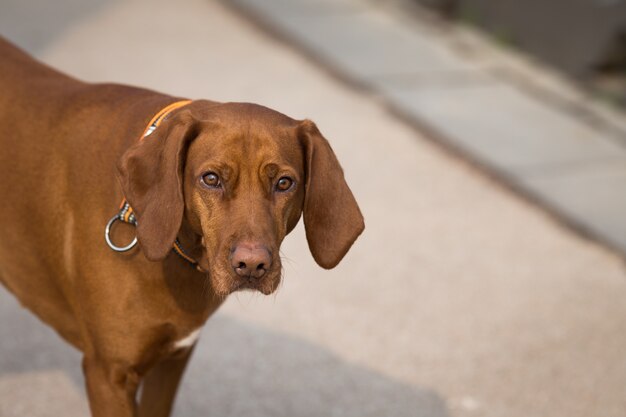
pixel 461 299
pixel 525 123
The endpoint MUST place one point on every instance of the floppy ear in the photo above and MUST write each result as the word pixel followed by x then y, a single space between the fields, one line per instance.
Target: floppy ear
pixel 151 175
pixel 332 218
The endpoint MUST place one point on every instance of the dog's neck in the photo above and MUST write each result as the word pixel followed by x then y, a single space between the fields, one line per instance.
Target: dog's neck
pixel 191 242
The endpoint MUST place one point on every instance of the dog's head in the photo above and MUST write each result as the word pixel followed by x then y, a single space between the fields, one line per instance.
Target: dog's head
pixel 238 176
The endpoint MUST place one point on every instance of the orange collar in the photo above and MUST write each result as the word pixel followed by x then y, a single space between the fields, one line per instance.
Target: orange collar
pixel 160 116
pixel 126 214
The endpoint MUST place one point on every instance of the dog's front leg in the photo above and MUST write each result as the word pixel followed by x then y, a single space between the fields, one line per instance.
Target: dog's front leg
pixel 111 387
pixel 160 386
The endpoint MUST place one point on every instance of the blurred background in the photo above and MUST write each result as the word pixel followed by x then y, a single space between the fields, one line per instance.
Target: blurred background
pixel 485 141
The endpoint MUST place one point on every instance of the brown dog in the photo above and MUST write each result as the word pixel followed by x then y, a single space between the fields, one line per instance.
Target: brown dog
pixel 229 181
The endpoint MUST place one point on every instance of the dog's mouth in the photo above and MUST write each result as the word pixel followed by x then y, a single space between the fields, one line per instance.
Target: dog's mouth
pixel 242 267
pixel 265 286
pixel 226 282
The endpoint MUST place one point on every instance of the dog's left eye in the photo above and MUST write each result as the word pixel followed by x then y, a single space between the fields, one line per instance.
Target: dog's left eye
pixel 211 179
pixel 284 184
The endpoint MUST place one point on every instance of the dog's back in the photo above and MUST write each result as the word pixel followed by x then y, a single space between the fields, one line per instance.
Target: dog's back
pixel 53 164
pixel 29 183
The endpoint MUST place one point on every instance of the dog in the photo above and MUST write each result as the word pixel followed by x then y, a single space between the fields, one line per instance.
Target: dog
pixel 207 189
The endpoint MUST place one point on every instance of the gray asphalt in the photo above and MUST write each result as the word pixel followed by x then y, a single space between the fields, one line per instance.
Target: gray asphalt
pixel 460 299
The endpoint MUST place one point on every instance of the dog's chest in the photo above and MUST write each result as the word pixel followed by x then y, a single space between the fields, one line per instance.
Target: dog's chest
pixel 187 341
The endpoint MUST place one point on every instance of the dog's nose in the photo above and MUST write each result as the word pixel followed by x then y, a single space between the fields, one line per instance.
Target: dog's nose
pixel 250 260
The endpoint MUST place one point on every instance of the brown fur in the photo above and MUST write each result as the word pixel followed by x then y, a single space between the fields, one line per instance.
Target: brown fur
pixel 70 154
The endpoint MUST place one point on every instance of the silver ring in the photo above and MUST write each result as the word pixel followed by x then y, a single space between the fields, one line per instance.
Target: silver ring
pixel 107 232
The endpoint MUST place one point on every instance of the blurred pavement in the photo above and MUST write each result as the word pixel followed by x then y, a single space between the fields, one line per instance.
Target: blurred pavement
pixel 524 122
pixel 461 299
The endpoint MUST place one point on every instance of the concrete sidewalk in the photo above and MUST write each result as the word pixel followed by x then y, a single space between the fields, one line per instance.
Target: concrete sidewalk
pixel 525 124
pixel 460 299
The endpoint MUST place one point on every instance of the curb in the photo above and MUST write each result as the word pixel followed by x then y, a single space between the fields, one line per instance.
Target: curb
pixel 574 169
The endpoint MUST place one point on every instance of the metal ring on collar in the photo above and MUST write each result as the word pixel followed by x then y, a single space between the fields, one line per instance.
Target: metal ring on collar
pixel 107 237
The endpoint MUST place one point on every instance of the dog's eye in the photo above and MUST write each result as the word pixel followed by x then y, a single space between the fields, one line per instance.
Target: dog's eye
pixel 211 179
pixel 284 184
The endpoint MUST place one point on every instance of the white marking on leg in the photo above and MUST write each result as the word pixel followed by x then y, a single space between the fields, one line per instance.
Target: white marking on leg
pixel 188 340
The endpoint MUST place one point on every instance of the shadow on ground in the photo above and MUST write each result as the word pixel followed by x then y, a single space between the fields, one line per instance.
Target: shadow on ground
pixel 238 369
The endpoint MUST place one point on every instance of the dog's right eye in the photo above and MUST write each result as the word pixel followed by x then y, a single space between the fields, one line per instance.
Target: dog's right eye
pixel 211 179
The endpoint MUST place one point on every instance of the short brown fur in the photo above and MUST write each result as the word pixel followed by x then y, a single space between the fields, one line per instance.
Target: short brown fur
pixel 70 154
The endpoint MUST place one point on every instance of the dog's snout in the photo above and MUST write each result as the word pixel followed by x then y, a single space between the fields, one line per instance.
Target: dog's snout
pixel 251 260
